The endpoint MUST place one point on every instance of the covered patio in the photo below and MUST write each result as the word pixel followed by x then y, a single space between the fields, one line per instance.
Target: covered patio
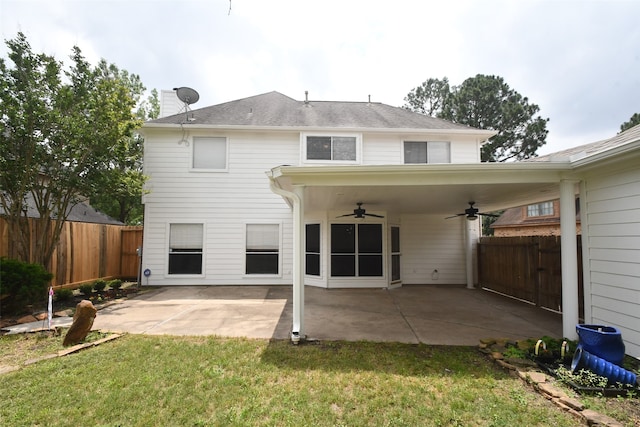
pixel 440 189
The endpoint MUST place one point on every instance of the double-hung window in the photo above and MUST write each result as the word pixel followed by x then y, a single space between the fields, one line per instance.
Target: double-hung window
pixel 540 209
pixel 210 153
pixel 262 249
pixel 427 152
pixel 185 248
pixel 331 148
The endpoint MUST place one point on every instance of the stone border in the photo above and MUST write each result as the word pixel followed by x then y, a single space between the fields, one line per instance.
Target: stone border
pixel 61 353
pixel 529 373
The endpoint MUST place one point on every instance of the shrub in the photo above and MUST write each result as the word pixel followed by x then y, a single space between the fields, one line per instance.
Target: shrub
pixel 115 284
pixel 63 294
pixel 99 285
pixel 86 289
pixel 22 284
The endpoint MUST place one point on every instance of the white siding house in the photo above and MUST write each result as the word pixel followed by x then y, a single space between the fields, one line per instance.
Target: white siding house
pixel 265 190
pixel 207 184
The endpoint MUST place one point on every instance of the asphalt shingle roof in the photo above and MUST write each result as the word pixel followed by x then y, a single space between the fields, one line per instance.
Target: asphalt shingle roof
pixel 278 110
pixel 592 148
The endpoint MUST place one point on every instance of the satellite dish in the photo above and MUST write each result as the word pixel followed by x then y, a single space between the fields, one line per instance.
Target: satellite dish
pixel 187 95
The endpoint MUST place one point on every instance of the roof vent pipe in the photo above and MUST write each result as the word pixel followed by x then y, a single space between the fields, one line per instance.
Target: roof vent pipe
pixel 306 96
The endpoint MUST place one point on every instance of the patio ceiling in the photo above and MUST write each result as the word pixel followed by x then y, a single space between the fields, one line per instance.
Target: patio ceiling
pixel 427 189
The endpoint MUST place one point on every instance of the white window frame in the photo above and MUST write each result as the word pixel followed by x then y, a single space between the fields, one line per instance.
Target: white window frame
pixel 280 254
pixel 195 140
pixel 303 151
pixel 537 210
pixel 428 143
pixel 168 249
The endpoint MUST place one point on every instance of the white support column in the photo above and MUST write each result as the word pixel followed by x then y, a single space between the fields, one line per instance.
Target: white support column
pixel 569 256
pixel 297 331
pixel 469 230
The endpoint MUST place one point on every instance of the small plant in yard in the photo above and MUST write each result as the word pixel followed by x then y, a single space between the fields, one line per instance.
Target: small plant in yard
pixel 99 285
pixel 63 294
pixel 21 284
pixel 583 377
pixel 86 289
pixel 115 284
pixel 513 352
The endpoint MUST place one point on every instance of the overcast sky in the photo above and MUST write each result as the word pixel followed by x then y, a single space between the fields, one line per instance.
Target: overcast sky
pixel 579 60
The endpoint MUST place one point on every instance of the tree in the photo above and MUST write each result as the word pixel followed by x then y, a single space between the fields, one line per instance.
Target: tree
pixel 119 193
pixel 633 121
pixel 58 129
pixel 429 98
pixel 486 102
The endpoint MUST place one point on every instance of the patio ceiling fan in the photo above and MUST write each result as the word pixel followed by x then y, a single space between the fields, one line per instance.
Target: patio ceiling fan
pixel 360 213
pixel 472 213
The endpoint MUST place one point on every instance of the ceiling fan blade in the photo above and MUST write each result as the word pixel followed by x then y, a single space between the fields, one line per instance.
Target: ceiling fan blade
pixel 455 216
pixel 341 216
pixel 377 216
pixel 487 214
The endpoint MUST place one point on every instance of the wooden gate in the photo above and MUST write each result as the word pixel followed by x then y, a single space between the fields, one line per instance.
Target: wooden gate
pixel 527 268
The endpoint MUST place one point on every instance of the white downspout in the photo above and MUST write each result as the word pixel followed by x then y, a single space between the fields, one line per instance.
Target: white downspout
pixel 297 197
pixel 569 259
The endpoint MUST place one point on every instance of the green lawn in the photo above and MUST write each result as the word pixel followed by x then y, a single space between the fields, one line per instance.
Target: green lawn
pixel 171 381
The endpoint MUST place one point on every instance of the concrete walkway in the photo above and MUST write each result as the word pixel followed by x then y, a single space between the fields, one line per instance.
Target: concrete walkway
pixel 444 315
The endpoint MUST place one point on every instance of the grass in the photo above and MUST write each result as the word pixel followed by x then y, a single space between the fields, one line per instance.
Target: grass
pixel 19 348
pixel 206 381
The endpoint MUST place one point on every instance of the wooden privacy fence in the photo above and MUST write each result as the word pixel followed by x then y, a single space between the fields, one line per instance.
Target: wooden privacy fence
pixel 527 268
pixel 88 251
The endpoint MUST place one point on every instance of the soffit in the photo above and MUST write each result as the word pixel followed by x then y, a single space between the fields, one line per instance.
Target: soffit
pixel 438 190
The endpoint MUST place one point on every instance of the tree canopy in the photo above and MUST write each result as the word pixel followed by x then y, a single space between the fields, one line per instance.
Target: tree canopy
pixel 485 102
pixel 633 121
pixel 59 130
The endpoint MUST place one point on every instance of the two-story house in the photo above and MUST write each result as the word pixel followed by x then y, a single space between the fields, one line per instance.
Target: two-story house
pixel 214 214
pixel 270 190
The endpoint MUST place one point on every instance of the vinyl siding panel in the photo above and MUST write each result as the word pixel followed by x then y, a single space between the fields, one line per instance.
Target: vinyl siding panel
pixel 224 201
pixel 431 243
pixel 613 218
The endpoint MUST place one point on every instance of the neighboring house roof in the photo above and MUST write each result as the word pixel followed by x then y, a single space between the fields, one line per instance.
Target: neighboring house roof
pixel 517 217
pixel 274 109
pixel 594 148
pixel 80 212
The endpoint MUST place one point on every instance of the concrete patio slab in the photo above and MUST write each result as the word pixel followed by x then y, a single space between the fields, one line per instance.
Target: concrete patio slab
pixel 441 315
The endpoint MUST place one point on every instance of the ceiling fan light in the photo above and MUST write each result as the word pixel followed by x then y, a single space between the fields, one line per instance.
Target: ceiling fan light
pixel 472 217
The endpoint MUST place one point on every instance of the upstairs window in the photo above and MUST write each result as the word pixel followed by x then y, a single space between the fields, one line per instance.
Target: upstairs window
pixel 540 209
pixel 427 152
pixel 331 148
pixel 210 154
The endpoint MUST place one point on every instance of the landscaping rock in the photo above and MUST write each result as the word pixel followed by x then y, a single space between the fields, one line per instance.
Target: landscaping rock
pixel 596 419
pixel 550 390
pixel 82 323
pixel 572 403
pixel 27 319
pixel 533 376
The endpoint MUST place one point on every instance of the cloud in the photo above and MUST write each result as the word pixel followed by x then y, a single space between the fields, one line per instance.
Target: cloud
pixel 578 60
